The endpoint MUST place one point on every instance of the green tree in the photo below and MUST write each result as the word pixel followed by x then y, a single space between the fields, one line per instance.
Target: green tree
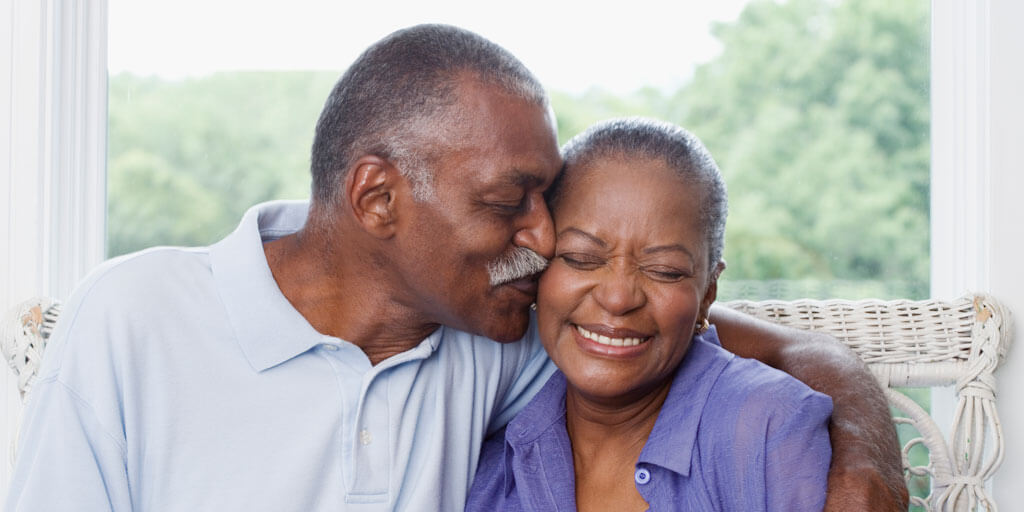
pixel 817 111
pixel 188 157
pixel 818 114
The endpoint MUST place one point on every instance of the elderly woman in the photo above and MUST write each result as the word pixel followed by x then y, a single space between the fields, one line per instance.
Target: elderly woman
pixel 647 410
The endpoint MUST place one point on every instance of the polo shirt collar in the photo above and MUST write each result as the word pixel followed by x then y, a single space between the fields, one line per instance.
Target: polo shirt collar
pixel 674 435
pixel 268 328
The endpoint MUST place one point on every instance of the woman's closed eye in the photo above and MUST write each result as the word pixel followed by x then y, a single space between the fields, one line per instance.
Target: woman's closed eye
pixel 581 261
pixel 667 274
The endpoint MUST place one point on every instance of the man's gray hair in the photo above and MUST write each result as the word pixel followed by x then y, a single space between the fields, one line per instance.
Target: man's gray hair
pixel 399 89
pixel 681 151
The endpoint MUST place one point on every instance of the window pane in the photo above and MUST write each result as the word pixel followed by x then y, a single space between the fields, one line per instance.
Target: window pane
pixel 817 112
pixel 189 156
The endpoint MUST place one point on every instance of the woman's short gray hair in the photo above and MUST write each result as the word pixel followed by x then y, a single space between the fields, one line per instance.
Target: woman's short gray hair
pixel 681 151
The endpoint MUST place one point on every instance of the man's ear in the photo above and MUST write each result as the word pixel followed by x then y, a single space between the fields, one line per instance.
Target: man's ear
pixel 371 187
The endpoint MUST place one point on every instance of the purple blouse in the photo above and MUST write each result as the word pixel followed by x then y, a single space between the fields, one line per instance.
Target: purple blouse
pixel 733 435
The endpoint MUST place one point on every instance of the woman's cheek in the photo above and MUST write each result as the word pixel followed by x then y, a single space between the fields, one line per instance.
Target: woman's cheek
pixel 556 298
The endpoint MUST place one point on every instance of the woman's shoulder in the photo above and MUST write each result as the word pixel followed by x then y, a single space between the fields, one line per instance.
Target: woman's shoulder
pixel 753 388
pixel 765 432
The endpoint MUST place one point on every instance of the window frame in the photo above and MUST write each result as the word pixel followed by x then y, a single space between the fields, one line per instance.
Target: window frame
pixel 53 91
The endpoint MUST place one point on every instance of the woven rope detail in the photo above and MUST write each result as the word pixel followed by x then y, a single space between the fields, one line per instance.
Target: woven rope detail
pixel 23 336
pixel 976 440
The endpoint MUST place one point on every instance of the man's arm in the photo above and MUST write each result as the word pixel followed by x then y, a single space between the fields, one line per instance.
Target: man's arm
pixel 866 471
pixel 66 462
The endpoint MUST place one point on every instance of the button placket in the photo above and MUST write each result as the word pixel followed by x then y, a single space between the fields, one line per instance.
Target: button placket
pixel 371 454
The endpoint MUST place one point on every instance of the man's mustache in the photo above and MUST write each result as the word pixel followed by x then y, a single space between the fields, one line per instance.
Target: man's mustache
pixel 516 264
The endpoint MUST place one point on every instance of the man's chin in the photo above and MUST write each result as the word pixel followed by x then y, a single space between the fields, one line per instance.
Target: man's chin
pixel 512 328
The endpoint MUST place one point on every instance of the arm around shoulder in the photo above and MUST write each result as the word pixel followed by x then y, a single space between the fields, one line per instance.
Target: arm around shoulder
pixel 866 471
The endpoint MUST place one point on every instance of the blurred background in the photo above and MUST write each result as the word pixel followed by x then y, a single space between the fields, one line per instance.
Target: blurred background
pixel 817 111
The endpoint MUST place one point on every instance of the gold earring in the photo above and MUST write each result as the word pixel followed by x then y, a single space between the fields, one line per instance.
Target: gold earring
pixel 703 327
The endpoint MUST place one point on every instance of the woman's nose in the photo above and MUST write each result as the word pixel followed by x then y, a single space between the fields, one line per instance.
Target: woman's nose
pixel 619 291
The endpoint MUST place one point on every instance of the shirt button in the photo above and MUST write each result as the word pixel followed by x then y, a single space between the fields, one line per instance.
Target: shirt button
pixel 329 347
pixel 642 476
pixel 365 437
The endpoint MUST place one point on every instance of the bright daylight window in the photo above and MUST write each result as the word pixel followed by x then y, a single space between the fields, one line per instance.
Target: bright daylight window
pixel 817 111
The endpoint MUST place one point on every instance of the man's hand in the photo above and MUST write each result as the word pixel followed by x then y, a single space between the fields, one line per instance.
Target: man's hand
pixel 853 489
pixel 867 470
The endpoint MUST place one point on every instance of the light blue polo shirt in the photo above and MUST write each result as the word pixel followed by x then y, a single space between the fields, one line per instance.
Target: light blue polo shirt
pixel 182 379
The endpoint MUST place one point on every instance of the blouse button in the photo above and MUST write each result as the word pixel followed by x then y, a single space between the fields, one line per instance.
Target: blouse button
pixel 642 476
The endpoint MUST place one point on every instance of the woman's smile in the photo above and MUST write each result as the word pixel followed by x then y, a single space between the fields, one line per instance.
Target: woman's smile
pixel 610 342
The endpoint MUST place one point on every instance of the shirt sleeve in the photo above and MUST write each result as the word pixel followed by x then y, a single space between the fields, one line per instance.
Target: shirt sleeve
pixel 798 454
pixel 776 454
pixel 65 461
pixel 71 450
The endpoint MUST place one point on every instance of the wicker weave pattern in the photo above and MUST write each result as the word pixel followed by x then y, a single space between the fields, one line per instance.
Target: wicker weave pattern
pixel 923 344
pixel 896 331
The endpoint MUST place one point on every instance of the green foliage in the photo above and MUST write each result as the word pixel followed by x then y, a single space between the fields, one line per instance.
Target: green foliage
pixel 187 158
pixel 919 486
pixel 817 111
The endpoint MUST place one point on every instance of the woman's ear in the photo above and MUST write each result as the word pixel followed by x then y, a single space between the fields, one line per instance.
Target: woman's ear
pixel 371 187
pixel 711 292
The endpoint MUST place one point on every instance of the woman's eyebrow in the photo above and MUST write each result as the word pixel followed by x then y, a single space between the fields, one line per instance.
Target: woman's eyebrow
pixel 669 248
pixel 584 234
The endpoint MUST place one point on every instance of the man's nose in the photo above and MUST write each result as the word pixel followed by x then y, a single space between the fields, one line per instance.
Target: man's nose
pixel 537 230
pixel 618 290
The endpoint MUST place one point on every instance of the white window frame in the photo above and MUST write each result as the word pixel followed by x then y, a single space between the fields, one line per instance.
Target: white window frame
pixel 53 147
pixel 977 183
pixel 54 94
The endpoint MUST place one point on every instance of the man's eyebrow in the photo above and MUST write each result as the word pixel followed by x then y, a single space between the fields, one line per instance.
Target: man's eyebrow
pixel 584 234
pixel 525 179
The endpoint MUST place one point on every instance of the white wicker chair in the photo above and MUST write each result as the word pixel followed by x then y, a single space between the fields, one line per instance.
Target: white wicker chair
pixel 24 332
pixel 905 343
pixel 925 344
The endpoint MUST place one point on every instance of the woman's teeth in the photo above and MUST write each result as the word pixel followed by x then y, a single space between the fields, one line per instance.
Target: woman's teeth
pixel 605 340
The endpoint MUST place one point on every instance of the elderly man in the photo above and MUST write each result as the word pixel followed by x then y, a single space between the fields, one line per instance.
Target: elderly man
pixel 341 356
